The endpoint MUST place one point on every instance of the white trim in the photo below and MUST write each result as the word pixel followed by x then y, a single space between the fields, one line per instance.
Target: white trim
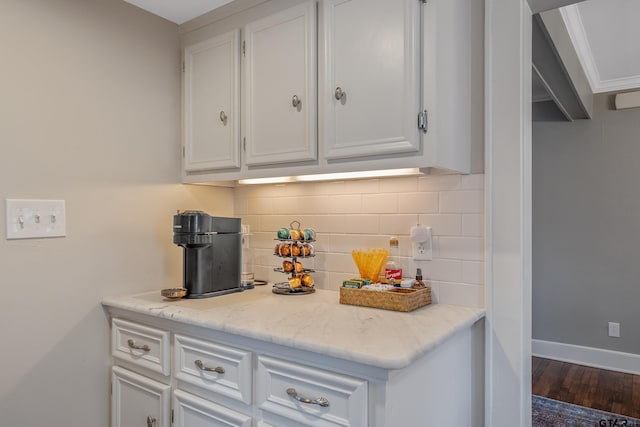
pixel 587 356
pixel 507 210
pixel 575 27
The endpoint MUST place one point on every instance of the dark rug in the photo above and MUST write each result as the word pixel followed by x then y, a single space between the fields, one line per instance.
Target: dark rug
pixel 553 413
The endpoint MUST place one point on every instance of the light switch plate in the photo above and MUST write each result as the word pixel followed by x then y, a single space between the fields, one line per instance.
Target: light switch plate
pixel 34 218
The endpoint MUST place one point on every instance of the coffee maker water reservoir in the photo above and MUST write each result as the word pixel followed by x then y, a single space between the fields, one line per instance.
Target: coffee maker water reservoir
pixel 212 252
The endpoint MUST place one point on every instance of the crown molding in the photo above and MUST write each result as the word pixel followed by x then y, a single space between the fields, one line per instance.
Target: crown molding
pixel 578 35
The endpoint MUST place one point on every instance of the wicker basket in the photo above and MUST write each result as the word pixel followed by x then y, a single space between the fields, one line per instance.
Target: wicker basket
pixel 398 299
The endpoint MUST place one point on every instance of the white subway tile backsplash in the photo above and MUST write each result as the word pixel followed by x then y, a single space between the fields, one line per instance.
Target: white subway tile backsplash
pixel 355 224
pixel 458 294
pixel 442 224
pixel 362 187
pixel 463 248
pixel 446 270
pixel 439 183
pixel 467 201
pixel 473 225
pixel 472 182
pixel 473 272
pixel 418 202
pixel 345 203
pixel 362 214
pixel 383 203
pixel 240 206
pixel 397 185
pixel 397 224
pixel 300 205
pixel 331 188
pixel 345 243
pixel 336 262
pixel 260 206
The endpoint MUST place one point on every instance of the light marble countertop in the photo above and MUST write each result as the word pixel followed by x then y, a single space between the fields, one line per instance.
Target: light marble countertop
pixel 316 322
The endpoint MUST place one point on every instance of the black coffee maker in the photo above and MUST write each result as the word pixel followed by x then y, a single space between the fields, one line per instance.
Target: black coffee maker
pixel 212 251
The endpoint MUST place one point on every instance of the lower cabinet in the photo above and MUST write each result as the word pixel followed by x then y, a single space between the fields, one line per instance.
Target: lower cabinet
pixel 172 374
pixel 138 400
pixel 213 384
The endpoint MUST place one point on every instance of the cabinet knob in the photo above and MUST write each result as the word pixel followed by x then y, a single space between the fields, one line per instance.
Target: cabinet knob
pixel 340 93
pixel 132 344
pixel 319 401
pixel 296 102
pixel 202 367
pixel 150 421
pixel 223 117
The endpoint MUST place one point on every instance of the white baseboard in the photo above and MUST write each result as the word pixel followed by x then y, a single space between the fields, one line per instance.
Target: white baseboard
pixel 587 356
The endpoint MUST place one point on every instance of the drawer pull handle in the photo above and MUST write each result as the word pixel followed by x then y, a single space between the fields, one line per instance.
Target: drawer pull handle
pixel 200 365
pixel 150 421
pixel 319 401
pixel 132 344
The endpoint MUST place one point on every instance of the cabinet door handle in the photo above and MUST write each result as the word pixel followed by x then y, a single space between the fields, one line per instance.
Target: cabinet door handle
pixel 296 102
pixel 319 401
pixel 150 421
pixel 200 365
pixel 223 117
pixel 132 344
pixel 340 93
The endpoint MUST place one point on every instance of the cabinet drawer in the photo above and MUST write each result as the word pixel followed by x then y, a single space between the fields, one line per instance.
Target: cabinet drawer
pixel 214 367
pixel 141 345
pixel 192 411
pixel 310 396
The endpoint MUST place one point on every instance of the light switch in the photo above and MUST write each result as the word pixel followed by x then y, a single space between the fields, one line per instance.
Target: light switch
pixel 33 219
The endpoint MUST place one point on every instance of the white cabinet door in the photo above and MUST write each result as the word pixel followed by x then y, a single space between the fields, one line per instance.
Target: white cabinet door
pixel 211 103
pixel 279 101
pixel 138 401
pixel 370 77
pixel 192 411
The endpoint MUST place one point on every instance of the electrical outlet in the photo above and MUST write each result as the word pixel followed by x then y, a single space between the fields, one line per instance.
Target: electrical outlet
pixel 422 250
pixel 614 329
pixel 32 219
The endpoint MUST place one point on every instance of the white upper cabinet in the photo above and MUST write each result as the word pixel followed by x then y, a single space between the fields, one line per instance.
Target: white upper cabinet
pixel 330 86
pixel 211 103
pixel 369 77
pixel 279 101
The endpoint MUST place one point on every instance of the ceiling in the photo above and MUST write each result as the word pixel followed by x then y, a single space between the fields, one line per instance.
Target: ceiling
pixel 178 11
pixel 606 36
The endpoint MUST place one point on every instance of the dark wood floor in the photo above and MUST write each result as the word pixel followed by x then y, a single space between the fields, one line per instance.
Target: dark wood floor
pixel 591 387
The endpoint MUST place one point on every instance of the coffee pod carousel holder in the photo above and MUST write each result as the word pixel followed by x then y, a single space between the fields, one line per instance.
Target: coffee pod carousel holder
pixel 294 247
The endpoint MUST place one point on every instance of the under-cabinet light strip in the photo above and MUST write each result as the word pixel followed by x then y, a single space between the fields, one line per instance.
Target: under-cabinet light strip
pixel 334 176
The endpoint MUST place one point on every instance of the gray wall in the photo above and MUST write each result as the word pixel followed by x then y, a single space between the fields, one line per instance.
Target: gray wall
pixel 586 229
pixel 90 113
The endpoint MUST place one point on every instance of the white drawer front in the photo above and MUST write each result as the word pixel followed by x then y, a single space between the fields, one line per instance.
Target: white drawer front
pixel 218 368
pixel 142 345
pixel 192 411
pixel 279 382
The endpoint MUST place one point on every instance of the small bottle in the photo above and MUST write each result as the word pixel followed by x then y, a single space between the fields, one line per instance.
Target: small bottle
pixel 393 269
pixel 418 284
